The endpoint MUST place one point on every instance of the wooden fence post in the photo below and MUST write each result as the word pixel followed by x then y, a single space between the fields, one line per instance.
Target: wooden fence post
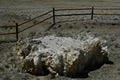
pixel 92 13
pixel 17 32
pixel 53 16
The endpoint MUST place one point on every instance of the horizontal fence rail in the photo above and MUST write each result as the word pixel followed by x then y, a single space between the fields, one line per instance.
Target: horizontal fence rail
pixel 72 9
pixel 73 14
pixel 35 18
pixel 54 15
pixel 6 26
pixel 7 33
pixel 106 14
pixel 35 24
pixel 97 8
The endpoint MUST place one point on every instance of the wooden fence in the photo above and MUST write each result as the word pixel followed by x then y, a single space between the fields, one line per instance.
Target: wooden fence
pixel 54 15
pixel 17 26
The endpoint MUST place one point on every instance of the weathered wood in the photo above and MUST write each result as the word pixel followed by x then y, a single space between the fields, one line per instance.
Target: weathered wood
pixel 35 24
pixel 80 56
pixel 73 14
pixel 7 33
pixel 73 9
pixel 35 18
pixel 92 13
pixel 106 14
pixel 53 15
pixel 6 26
pixel 107 8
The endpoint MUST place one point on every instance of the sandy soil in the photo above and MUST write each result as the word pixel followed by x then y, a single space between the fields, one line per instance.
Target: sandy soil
pixel 106 28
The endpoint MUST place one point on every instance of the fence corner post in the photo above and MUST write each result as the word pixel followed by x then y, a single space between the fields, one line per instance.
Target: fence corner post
pixel 92 13
pixel 53 16
pixel 17 32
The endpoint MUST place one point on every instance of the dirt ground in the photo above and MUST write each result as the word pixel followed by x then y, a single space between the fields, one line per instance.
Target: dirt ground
pixel 19 11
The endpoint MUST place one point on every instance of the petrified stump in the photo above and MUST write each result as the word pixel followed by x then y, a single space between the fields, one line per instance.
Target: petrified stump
pixel 62 56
